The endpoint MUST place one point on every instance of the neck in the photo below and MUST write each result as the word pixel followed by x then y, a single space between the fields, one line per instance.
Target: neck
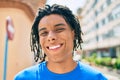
pixel 61 67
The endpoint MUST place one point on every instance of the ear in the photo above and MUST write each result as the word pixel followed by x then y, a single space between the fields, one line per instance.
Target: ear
pixel 73 34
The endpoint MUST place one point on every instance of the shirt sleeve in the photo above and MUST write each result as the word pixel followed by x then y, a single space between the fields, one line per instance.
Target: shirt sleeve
pixel 19 77
pixel 30 73
pixel 24 75
pixel 101 77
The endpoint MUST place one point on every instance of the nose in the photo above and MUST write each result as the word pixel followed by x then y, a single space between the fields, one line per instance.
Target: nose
pixel 51 36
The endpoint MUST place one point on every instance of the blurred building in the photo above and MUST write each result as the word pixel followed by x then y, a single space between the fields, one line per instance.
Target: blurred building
pixel 101 27
pixel 22 13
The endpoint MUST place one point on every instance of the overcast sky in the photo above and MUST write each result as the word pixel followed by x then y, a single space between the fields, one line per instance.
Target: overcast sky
pixel 72 4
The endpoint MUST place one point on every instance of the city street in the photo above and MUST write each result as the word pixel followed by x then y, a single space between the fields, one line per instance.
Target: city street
pixel 111 75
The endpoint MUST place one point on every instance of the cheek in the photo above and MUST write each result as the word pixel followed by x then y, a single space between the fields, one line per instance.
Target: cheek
pixel 41 40
pixel 70 37
pixel 70 40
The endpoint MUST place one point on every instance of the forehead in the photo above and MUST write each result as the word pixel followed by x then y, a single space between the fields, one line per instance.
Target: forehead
pixel 52 19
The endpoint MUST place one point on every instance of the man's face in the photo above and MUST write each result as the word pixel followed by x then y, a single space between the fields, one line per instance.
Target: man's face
pixel 56 38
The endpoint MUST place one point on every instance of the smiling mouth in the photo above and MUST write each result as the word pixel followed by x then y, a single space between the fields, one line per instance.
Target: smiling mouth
pixel 54 47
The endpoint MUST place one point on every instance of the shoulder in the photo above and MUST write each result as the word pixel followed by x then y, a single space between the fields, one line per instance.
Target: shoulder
pixel 30 73
pixel 88 68
pixel 89 71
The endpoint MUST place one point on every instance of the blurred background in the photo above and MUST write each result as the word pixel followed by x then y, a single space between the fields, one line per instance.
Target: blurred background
pixel 100 23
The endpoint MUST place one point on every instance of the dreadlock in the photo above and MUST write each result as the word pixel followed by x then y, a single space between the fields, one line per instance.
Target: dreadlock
pixel 67 14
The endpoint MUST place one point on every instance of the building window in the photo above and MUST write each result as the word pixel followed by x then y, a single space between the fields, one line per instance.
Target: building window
pixel 116 12
pixel 113 0
pixel 116 31
pixel 106 20
pixel 103 22
pixel 100 38
pixel 108 2
pixel 110 17
pixel 108 35
pixel 95 2
pixel 104 5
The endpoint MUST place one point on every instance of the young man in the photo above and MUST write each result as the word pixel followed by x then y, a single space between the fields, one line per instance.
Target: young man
pixel 57 32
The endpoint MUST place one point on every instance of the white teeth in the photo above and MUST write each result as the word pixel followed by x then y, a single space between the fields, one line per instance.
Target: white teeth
pixel 54 47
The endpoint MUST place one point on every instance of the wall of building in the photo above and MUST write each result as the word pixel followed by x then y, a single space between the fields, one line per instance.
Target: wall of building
pixel 101 25
pixel 19 54
pixel 22 13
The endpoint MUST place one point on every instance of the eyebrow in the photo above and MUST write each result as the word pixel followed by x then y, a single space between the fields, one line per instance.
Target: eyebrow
pixel 60 24
pixel 41 29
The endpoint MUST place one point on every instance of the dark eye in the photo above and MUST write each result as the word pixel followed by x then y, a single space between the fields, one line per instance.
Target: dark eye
pixel 60 29
pixel 43 33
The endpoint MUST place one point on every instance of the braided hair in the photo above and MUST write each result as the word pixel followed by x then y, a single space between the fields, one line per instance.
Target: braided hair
pixel 67 14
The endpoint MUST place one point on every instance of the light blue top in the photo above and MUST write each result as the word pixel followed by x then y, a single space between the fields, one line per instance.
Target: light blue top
pixel 41 72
